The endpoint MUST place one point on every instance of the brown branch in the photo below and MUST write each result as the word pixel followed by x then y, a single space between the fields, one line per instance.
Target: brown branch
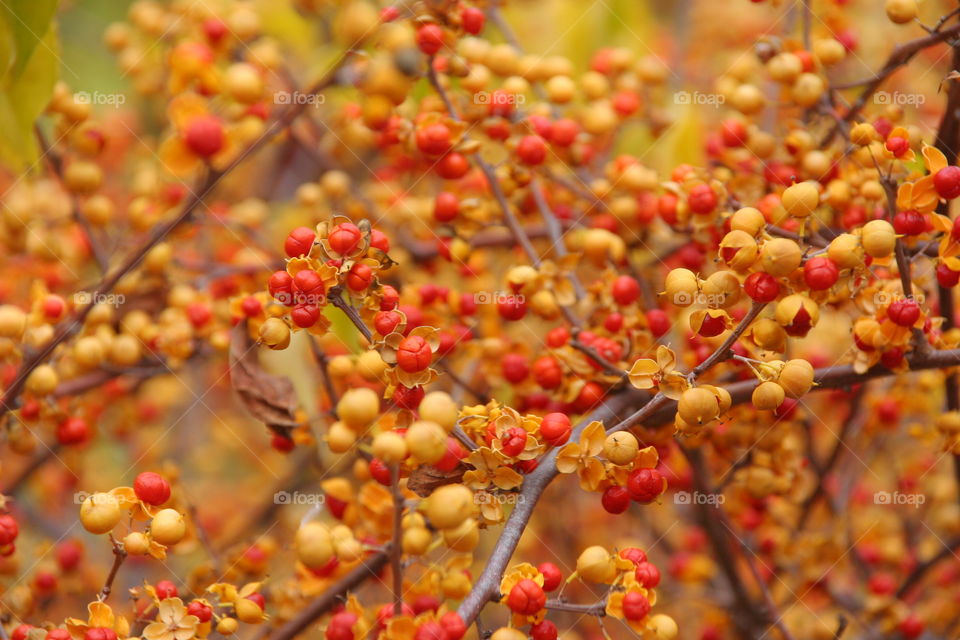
pixel 332 596
pixel 119 555
pixel 336 299
pixel 921 569
pixel 595 609
pixel 901 55
pixel 396 554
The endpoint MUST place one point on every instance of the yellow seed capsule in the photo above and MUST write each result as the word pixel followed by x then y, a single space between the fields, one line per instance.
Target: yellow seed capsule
pixel 136 544
pixel 767 396
pixel 807 89
pixel 846 251
pixel 371 366
pixel 168 527
pixel 901 11
pixel 698 406
pixel 801 199
pixel 463 538
pixel 100 513
pixel 748 219
pixel 427 441
pixel 863 134
pixel 508 633
pixel 227 626
pixel 340 367
pixel 739 250
pixel 721 290
pixel 416 541
pixel 681 287
pixel 595 564
pixel 785 67
pixel 340 437
pixel 768 335
pixel 13 321
pixel 42 381
pixel 358 407
pixel 248 611
pixel 449 506
pixel 621 447
pixel 439 407
pixel 796 378
pixel 829 51
pixel 244 83
pixel 663 627
pixel 314 545
pixel 275 333
pixel 390 447
pixel 780 257
pixel 878 238
pixel 948 423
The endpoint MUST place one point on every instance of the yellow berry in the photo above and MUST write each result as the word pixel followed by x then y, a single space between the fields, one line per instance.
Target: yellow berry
pixel 100 513
pixel 878 238
pixel 801 199
pixel 42 381
pixel 449 506
pixel 595 564
pixel 621 448
pixel 698 406
pixel 796 377
pixel 901 11
pixel 168 527
pixel 427 441
pixel 358 407
pixel 439 407
pixel 748 219
pixel 767 396
pixel 136 543
pixel 314 545
pixel 13 321
pixel 780 257
pixel 390 447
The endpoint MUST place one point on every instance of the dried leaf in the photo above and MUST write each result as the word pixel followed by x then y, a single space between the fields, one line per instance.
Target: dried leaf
pixel 426 478
pixel 269 398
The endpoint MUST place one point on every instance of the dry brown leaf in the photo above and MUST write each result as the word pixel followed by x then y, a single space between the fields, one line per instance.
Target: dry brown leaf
pixel 426 478
pixel 267 397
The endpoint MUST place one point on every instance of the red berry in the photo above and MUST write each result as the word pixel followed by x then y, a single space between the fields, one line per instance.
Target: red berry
pixel 911 627
pixel 590 396
pixel 280 286
pixel 344 238
pixel 379 240
pixel 615 499
pixel 512 307
pixel 514 367
pixel 733 133
pixel 73 430
pixel 453 166
pixel 564 131
pixel 386 322
pixel 658 321
pixel 761 287
pixel 712 326
pixel 645 485
pixel 513 441
pixel 635 606
pixel 555 428
pixel 946 276
pixel 341 626
pixel 389 298
pixel 68 555
pixel 897 145
pixel 199 314
pixel 258 599
pixel 165 589
pixel 414 354
pixel 820 273
pixel 904 312
pixel 423 603
pixel 452 457
pixel 57 634
pixel 702 199
pixel 359 277
pixel 547 372
pixel 284 444
pixel 251 307
pixel 544 630
pixel 151 488
pixel 634 555
pixel 532 150
pixel 309 287
pixel 453 624
pixel 647 575
pixel 472 20
pixel 552 577
pixel 526 597
pixel 305 315
pixel 947 182
pixel 203 612
pixel 204 136
pixel 20 631
pixel 299 242
pixel 910 223
pixel 626 290
pixel 430 38
pixel 557 337
pixel 433 139
pixel 430 630
pixel 408 397
pixel 53 307
pixel 446 206
pixel 380 471
pixel 9 529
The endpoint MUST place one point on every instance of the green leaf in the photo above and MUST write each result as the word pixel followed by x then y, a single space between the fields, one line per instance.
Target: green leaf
pixel 27 23
pixel 343 328
pixel 24 98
